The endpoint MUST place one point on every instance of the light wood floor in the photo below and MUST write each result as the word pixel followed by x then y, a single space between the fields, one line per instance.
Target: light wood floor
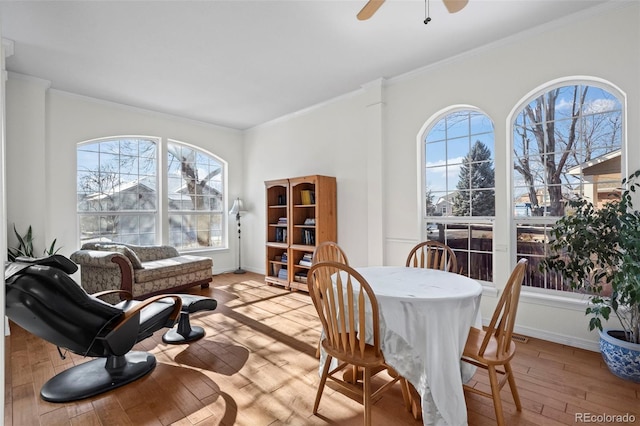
pixel 256 367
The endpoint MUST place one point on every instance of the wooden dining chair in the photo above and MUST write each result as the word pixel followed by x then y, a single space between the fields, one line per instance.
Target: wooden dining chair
pixel 346 304
pixel 432 255
pixel 493 347
pixel 329 251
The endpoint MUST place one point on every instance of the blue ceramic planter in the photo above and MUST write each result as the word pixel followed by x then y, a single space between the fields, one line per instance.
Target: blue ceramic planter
pixel 622 357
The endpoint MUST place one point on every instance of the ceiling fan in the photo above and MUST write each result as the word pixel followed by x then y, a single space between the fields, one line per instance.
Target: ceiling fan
pixel 372 6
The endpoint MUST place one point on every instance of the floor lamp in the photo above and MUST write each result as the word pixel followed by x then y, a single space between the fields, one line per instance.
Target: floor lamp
pixel 236 209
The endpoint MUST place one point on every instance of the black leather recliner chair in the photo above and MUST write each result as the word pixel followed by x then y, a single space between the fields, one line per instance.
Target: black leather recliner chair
pixel 43 299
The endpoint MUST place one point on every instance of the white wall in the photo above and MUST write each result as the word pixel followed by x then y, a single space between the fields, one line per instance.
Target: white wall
pixel 25 165
pixel 334 139
pixel 329 140
pixel 43 128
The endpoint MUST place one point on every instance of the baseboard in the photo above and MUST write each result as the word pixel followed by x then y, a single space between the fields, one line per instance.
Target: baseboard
pixel 590 345
pixel 229 271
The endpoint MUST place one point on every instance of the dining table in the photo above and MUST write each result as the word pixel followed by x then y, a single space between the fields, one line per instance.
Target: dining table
pixel 425 317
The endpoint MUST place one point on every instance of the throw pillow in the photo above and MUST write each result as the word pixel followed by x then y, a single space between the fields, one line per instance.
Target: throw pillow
pixel 130 254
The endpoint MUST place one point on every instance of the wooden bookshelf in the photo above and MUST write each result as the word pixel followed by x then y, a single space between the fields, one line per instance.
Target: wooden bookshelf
pixel 277 201
pixel 301 213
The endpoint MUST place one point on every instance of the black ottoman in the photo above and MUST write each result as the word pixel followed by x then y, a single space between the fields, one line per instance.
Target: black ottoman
pixel 183 332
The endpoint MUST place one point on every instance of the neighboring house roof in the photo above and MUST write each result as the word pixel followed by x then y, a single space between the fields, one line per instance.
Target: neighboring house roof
pixel 139 187
pixel 134 186
pixel 604 167
pixel 446 198
pixel 604 172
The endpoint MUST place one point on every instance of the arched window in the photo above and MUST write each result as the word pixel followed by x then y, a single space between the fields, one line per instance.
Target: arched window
pixel 195 188
pixel 118 193
pixel 459 187
pixel 567 142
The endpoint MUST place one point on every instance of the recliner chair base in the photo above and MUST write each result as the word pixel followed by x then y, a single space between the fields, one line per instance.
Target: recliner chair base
pixel 184 332
pixel 180 335
pixel 97 376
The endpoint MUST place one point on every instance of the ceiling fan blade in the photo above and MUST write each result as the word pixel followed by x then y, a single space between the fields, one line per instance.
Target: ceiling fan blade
pixel 369 9
pixel 454 6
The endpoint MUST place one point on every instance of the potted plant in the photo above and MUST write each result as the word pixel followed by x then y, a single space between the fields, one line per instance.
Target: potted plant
pixel 25 246
pixel 598 251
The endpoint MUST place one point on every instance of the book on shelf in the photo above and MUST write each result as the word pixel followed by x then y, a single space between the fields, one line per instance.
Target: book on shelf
pixel 309 237
pixel 282 274
pixel 306 260
pixel 282 220
pixel 281 235
pixel 300 277
pixel 307 196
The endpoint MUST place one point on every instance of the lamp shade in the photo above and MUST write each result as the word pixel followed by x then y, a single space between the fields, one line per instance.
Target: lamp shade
pixel 237 206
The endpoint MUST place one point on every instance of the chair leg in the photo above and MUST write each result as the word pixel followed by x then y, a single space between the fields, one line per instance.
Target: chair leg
pixel 318 350
pixel 355 373
pixel 416 402
pixel 495 392
pixel 366 390
pixel 323 381
pixel 512 386
pixel 406 394
pixel 404 387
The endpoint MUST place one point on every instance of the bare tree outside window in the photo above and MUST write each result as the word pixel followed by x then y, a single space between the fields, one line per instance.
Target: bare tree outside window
pixel 557 132
pixel 195 204
pixel 117 190
pixel 117 186
pixel 566 143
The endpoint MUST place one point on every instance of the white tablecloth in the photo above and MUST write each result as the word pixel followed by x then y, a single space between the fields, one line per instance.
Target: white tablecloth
pixel 425 316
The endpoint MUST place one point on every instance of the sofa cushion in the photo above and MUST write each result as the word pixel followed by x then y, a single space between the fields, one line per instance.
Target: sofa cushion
pixel 148 253
pixel 165 268
pixel 130 254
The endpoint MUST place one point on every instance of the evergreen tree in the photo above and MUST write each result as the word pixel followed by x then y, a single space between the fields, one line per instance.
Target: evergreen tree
pixel 476 173
pixel 430 207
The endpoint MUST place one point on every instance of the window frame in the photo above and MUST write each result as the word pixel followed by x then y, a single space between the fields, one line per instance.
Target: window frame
pixel 162 212
pixel 423 219
pixel 553 295
pixel 224 219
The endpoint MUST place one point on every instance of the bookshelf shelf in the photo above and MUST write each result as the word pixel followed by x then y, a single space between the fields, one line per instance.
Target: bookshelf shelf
pixel 301 213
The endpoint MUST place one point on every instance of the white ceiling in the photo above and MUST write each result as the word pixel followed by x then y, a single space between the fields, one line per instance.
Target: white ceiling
pixel 242 63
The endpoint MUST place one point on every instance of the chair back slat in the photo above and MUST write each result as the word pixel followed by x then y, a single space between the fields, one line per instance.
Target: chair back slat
pixel 432 255
pixel 361 321
pixel 346 304
pixel 341 331
pixel 504 316
pixel 352 317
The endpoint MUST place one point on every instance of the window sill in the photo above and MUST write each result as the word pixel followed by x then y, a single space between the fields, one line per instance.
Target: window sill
pixel 574 302
pixel 202 251
pixel 562 300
